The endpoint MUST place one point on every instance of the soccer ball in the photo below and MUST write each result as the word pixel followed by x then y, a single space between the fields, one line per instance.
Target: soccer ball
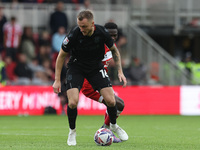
pixel 103 137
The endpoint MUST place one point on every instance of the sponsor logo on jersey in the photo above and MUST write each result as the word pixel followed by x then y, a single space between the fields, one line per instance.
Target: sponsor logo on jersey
pixel 66 41
pixel 107 56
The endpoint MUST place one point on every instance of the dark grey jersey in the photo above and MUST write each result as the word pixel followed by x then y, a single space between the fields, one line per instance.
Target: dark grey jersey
pixel 87 52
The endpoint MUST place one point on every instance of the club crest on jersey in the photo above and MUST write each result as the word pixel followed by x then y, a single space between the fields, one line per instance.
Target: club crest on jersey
pixel 66 41
pixel 69 77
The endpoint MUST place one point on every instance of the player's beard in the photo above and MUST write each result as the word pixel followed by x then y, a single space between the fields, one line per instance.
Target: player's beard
pixel 89 33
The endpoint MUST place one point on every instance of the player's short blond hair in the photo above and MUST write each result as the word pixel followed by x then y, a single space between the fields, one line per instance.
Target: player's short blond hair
pixel 85 14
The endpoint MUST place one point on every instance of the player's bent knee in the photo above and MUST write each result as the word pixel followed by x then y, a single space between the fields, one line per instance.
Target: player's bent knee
pixel 111 103
pixel 120 106
pixel 73 97
pixel 72 105
pixel 119 103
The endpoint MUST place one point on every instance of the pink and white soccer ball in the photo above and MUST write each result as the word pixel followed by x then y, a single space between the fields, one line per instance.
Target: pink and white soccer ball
pixel 103 137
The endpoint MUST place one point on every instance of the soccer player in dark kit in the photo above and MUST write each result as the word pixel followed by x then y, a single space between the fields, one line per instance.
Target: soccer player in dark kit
pixel 85 43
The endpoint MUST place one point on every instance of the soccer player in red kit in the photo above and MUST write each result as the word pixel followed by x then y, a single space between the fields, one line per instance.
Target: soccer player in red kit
pixel 87 89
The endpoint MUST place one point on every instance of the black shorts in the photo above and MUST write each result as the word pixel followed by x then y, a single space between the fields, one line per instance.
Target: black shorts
pixel 97 78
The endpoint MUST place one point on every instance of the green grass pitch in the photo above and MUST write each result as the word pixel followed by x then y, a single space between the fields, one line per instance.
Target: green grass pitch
pixel 145 133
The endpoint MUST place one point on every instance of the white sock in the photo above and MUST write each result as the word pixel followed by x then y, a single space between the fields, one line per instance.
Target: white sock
pixel 100 99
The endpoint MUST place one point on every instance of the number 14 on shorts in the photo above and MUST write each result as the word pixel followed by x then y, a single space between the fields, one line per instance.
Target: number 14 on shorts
pixel 104 73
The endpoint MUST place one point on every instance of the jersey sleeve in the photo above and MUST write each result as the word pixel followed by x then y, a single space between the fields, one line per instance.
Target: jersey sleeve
pixel 68 41
pixel 108 40
pixel 107 57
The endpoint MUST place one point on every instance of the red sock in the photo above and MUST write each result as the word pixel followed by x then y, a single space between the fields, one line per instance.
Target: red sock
pixel 106 114
pixel 107 119
pixel 65 109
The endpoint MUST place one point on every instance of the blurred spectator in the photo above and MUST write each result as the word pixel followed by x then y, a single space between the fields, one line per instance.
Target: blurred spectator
pixel 77 1
pixel 195 22
pixel 57 39
pixel 2 72
pixel 44 39
pixel 12 37
pixel 154 73
pixel 191 68
pixel 39 75
pixel 10 67
pixel 45 47
pixel 30 1
pixel 121 40
pixel 137 72
pixel 58 18
pixel 86 5
pixel 15 4
pixel 40 1
pixel 27 44
pixel 3 20
pixel 48 69
pixel 50 1
pixel 44 53
pixel 195 75
pixel 22 71
pixel 187 63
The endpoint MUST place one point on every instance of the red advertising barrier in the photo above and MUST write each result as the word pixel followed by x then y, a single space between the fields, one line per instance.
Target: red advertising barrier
pixel 139 100
pixel 143 100
pixel 27 100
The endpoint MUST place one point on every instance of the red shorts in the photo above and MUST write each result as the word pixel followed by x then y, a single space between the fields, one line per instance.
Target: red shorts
pixel 88 91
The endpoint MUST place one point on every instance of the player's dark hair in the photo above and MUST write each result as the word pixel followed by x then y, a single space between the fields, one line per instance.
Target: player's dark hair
pixel 85 14
pixel 110 25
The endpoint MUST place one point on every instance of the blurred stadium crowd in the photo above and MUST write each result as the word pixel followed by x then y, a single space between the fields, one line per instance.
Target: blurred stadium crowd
pixel 28 58
pixel 28 53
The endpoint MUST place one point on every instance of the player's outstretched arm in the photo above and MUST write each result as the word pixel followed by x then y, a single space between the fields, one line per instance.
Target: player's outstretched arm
pixel 117 59
pixel 59 64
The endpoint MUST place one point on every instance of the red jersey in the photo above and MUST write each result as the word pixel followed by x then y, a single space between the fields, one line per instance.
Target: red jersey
pixel 107 57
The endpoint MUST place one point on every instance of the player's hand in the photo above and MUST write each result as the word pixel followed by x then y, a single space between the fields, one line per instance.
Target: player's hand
pixel 57 86
pixel 122 78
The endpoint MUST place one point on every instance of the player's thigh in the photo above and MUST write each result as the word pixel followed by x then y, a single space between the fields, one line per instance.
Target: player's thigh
pixel 74 82
pixel 74 78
